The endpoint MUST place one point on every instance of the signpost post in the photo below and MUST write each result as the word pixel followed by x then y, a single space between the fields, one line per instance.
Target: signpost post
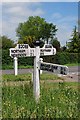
pixel 23 50
pixel 36 82
pixel 15 66
pixel 41 61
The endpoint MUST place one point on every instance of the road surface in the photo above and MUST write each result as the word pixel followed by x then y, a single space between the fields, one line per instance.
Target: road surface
pixel 73 69
pixel 74 73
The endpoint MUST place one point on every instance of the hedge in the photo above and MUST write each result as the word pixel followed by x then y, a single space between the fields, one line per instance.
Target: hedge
pixel 59 58
pixel 7 60
pixel 63 58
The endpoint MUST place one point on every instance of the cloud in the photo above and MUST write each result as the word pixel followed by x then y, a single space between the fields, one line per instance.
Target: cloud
pixel 0 27
pixel 68 19
pixel 63 19
pixel 14 9
pixel 64 33
pixel 15 13
pixel 0 18
pixel 22 9
pixel 64 25
pixel 56 16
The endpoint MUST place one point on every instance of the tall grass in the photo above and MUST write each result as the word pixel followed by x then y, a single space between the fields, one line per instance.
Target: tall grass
pixel 28 77
pixel 57 100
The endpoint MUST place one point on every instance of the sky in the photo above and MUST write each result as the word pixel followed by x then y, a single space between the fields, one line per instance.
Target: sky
pixel 62 14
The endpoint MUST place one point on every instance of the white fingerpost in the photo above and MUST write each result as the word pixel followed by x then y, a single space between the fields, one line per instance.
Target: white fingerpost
pixel 36 84
pixel 15 66
pixel 41 60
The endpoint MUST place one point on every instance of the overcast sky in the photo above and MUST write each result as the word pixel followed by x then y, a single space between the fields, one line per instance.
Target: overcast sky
pixel 63 14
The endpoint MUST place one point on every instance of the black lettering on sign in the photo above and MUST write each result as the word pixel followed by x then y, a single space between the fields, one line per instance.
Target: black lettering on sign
pixel 45 50
pixel 46 67
pixel 53 51
pixel 22 46
pixel 13 51
pixel 48 46
pixel 17 51
pixel 63 70
pixel 18 55
pixel 54 68
pixel 41 53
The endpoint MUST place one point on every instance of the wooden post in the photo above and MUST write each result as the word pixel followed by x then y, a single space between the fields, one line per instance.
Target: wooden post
pixel 36 84
pixel 15 66
pixel 41 60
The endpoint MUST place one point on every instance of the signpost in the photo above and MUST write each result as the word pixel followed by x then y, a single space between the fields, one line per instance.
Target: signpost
pixel 47 50
pixel 55 68
pixel 24 50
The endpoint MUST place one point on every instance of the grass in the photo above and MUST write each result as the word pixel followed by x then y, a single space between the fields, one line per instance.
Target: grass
pixel 28 77
pixel 21 77
pixel 6 67
pixel 57 100
pixel 73 64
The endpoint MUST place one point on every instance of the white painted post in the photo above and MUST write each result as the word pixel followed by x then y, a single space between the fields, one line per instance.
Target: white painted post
pixel 41 60
pixel 36 84
pixel 15 66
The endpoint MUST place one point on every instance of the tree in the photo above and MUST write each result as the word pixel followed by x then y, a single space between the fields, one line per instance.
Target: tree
pixel 56 44
pixel 0 42
pixel 28 40
pixel 64 48
pixel 73 45
pixel 36 27
pixel 6 42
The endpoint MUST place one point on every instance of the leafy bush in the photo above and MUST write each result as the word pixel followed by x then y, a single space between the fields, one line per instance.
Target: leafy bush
pixel 63 58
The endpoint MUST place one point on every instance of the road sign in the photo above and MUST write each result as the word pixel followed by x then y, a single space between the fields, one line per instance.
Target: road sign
pixel 22 46
pixel 19 52
pixel 24 50
pixel 14 52
pixel 47 50
pixel 32 52
pixel 55 68
pixel 47 46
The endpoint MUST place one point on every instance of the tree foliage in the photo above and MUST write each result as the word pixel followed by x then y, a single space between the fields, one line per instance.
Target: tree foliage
pixel 27 40
pixel 74 44
pixel 56 44
pixel 36 27
pixel 6 42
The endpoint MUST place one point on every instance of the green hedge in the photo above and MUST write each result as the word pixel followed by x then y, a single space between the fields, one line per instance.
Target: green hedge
pixel 7 60
pixel 63 58
pixel 59 58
